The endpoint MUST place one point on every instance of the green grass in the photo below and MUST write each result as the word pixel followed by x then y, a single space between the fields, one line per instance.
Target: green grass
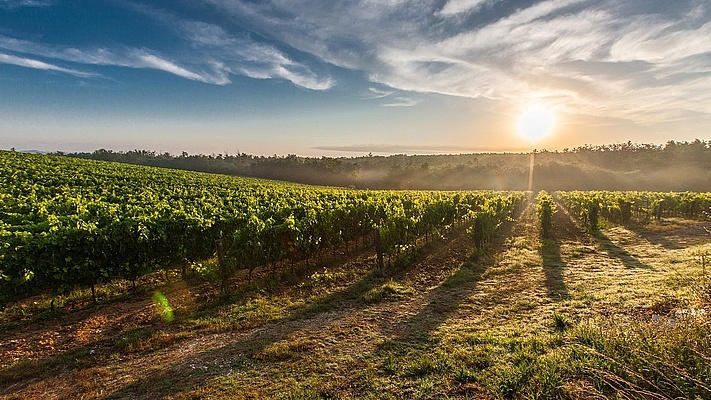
pixel 496 326
pixel 389 291
pixel 253 312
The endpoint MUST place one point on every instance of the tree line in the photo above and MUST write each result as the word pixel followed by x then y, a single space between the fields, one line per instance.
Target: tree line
pixel 674 166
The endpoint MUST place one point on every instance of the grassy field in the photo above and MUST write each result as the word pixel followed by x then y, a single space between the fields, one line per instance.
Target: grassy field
pixel 619 313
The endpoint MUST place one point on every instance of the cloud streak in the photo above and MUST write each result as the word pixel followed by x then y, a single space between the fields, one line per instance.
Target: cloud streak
pixel 393 98
pixel 203 52
pixel 12 4
pixel 224 54
pixel 36 64
pixel 119 57
pixel 464 6
pixel 644 61
pixel 400 101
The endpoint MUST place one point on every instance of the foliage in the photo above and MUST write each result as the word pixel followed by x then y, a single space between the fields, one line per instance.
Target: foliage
pixel 545 208
pixel 67 222
pixel 662 358
pixel 491 214
pixel 624 207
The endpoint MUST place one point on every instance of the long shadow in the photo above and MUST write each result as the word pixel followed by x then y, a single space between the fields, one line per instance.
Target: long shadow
pixel 16 377
pixel 352 296
pixel 181 375
pixel 614 251
pixel 283 281
pixel 553 267
pixel 656 238
pixel 443 302
pixel 186 372
pixel 446 299
pixel 553 263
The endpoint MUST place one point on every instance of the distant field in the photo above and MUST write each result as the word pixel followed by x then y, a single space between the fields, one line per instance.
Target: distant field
pixel 113 286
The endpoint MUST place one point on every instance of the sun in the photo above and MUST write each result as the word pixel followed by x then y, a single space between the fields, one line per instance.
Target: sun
pixel 535 123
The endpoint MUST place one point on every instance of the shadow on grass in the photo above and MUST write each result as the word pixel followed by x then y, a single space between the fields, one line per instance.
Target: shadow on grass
pixel 614 251
pixel 656 238
pixel 553 264
pixel 188 372
pixel 231 352
pixel 16 377
pixel 94 353
pixel 184 372
pixel 353 295
pixel 445 299
pixel 278 280
pixel 553 267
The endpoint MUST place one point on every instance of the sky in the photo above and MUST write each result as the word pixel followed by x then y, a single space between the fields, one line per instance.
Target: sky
pixel 347 78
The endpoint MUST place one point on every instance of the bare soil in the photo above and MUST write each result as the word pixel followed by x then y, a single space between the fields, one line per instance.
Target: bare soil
pixel 124 349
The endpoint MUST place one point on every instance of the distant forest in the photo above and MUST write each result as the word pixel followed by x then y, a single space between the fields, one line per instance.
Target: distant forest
pixel 674 166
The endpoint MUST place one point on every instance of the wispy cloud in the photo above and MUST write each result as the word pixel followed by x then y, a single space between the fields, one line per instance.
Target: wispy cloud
pixel 208 54
pixel 119 56
pixel 11 4
pixel 225 53
pixel 402 102
pixel 393 98
pixel 642 60
pixel 376 93
pixel 645 61
pixel 464 6
pixel 155 62
pixel 37 64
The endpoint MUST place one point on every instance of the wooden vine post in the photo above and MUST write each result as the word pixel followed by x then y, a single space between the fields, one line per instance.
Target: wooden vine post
pixel 224 275
pixel 378 247
pixel 184 269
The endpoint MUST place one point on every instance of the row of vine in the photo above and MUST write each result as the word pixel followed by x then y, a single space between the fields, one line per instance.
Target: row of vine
pixel 67 222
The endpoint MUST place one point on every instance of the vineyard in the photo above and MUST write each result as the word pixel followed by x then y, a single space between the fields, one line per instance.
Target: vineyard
pixel 67 222
pixel 624 207
pixel 247 288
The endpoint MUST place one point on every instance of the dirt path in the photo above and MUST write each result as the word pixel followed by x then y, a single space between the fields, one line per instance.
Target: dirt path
pixel 348 328
pixel 92 327
pixel 333 340
pixel 444 285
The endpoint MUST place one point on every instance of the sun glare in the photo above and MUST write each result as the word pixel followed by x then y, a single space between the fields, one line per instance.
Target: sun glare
pixel 535 123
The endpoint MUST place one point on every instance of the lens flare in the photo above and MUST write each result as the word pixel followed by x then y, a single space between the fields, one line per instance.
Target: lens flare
pixel 163 307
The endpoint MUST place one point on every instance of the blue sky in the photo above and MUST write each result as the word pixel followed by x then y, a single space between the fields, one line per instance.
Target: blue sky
pixel 350 77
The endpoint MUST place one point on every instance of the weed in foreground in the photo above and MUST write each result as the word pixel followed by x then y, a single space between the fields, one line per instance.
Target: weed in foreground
pixel 389 291
pixel 560 322
pixel 667 357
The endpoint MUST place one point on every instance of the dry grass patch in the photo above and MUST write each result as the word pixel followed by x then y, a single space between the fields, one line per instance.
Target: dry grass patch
pixel 575 316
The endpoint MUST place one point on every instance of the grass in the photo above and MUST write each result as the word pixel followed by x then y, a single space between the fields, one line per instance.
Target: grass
pixel 55 305
pixel 252 312
pixel 560 322
pixel 565 317
pixel 389 291
pixel 661 358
